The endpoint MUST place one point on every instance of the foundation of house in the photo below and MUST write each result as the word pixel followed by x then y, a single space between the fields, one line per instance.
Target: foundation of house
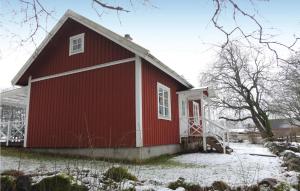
pixel 137 153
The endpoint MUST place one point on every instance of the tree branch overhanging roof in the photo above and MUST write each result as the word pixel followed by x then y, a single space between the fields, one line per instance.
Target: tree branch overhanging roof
pixel 131 46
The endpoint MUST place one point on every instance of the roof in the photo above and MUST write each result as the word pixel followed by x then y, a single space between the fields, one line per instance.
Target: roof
pixel 195 92
pixel 16 97
pixel 281 123
pixel 131 46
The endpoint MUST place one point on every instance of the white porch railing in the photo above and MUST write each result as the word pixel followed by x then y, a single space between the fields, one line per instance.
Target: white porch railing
pixel 220 132
pixel 12 131
pixel 194 127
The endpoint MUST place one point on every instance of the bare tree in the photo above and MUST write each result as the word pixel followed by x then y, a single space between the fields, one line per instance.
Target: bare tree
pixel 288 91
pixel 241 78
pixel 257 34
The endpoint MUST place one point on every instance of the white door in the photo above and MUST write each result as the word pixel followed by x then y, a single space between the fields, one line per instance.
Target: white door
pixel 196 113
pixel 183 116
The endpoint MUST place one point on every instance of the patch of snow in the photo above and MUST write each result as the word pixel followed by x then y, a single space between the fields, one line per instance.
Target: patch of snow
pixel 239 168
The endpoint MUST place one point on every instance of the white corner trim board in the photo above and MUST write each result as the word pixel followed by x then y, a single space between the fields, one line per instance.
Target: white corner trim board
pixel 84 69
pixel 138 102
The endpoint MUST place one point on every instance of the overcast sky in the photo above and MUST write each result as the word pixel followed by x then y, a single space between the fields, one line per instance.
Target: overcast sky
pixel 179 33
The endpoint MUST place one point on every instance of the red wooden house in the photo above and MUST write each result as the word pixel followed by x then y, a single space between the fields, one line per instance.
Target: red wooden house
pixel 93 92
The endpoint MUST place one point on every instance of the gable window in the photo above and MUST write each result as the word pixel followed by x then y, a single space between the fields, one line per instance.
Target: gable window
pixel 164 102
pixel 76 44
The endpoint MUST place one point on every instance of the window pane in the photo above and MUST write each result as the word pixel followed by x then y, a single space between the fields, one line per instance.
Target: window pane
pixel 160 90
pixel 79 46
pixel 160 101
pixel 161 110
pixel 166 102
pixel 166 112
pixel 165 94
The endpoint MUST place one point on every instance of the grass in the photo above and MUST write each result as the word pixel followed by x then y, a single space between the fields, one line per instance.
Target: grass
pixel 28 154
pixel 163 160
pixel 118 174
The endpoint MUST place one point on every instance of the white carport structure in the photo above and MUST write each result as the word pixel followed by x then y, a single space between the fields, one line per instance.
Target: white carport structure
pixel 12 131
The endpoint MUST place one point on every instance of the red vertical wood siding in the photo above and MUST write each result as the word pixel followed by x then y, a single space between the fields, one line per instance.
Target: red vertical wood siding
pixel 55 56
pixel 94 108
pixel 158 131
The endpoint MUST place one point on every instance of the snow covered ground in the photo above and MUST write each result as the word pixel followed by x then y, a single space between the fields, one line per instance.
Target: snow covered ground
pixel 238 168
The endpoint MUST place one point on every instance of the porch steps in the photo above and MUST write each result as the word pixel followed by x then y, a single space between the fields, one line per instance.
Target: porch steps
pixel 217 145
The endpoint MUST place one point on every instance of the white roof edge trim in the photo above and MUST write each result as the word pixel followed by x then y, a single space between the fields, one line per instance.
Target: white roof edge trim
pixel 196 89
pixel 131 46
pixel 39 49
pixel 150 58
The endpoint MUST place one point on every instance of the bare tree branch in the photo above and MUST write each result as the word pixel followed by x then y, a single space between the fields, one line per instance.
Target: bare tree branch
pixel 258 34
pixel 107 6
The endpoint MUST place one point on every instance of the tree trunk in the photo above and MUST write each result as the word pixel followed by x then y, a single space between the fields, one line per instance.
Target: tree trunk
pixel 264 129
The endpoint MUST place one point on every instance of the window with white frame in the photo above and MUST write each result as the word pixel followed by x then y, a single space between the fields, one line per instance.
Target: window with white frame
pixel 164 102
pixel 76 44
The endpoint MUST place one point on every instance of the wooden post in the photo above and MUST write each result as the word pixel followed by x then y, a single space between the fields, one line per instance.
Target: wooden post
pixel 203 122
pixel 27 112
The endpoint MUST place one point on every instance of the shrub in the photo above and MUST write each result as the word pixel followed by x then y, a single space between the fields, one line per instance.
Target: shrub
pixel 118 174
pixel 282 186
pixel 253 188
pixel 7 183
pixel 58 183
pixel 14 173
pixel 23 183
pixel 220 185
pixel 129 189
pixel 187 186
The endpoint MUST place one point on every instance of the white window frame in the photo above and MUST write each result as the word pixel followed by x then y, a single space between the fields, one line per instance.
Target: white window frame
pixel 168 90
pixel 75 37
